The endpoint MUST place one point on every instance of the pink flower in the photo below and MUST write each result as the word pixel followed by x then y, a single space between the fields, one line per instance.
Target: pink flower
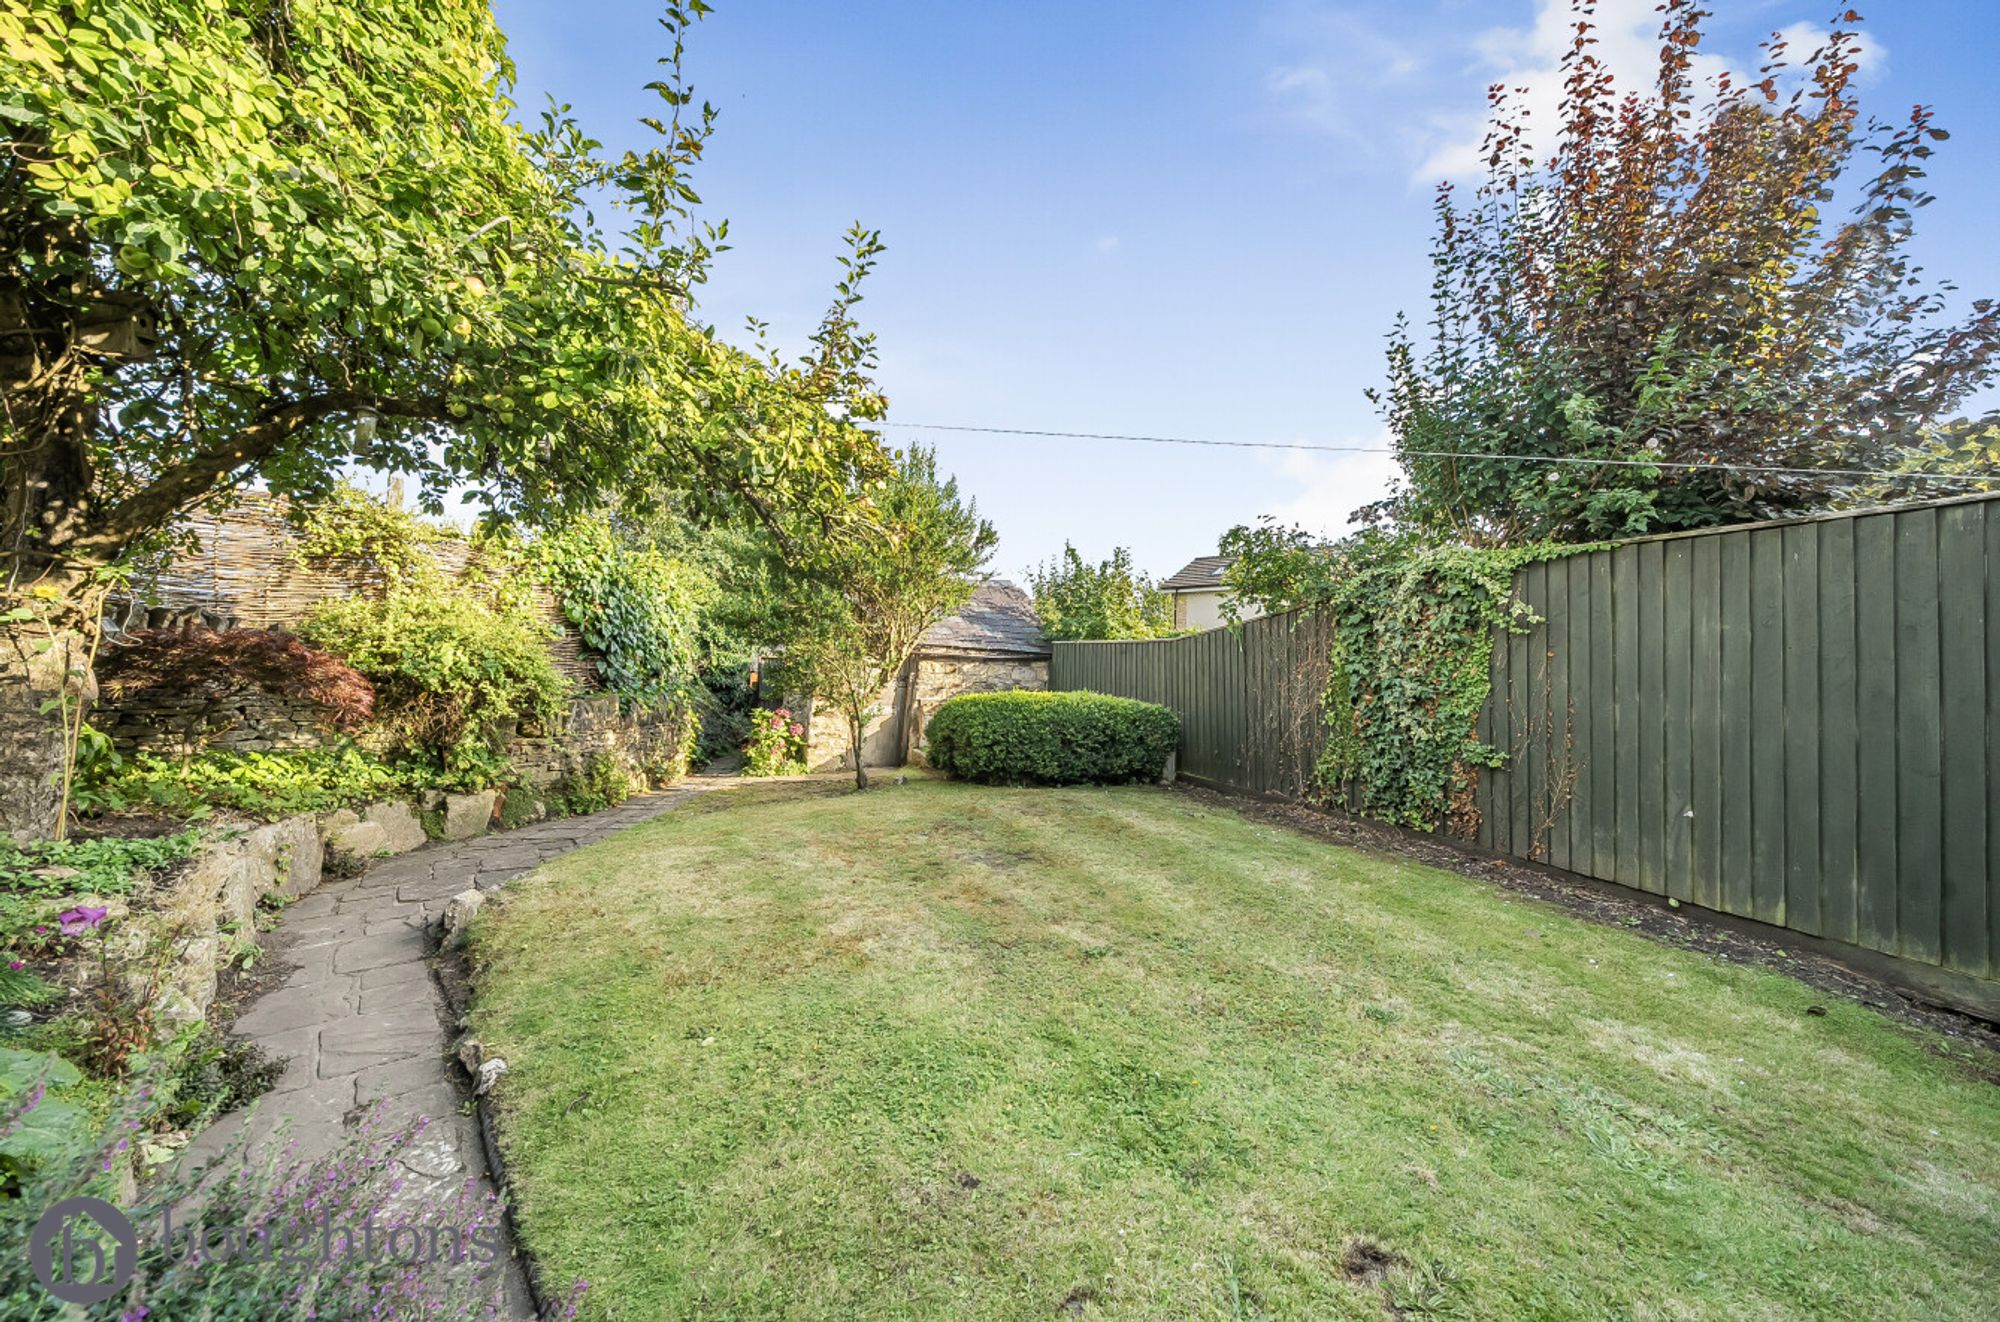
pixel 798 731
pixel 77 921
pixel 785 712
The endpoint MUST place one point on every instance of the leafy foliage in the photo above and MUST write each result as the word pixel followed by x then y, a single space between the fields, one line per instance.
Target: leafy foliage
pixel 642 592
pixel 602 784
pixel 1077 600
pixel 1667 290
pixel 452 667
pixel 36 878
pixel 520 806
pixel 855 606
pixel 1413 625
pixel 1967 449
pixel 267 785
pixel 182 661
pixel 725 706
pixel 349 527
pixel 22 986
pixel 33 1085
pixel 209 1073
pixel 641 610
pixel 351 246
pixel 103 865
pixel 776 745
pixel 246 243
pixel 670 752
pixel 1031 738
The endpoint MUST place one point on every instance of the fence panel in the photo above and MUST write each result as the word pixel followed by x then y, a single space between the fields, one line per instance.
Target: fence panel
pixel 1796 723
pixel 1248 698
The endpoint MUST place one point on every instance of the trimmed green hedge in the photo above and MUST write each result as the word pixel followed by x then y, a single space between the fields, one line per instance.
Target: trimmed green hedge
pixel 1029 738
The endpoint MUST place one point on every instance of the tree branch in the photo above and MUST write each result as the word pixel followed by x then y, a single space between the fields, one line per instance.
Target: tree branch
pixel 275 426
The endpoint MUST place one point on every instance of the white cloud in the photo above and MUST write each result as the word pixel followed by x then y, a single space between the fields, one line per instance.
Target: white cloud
pixel 1344 65
pixel 1802 39
pixel 1107 244
pixel 1325 488
pixel 1528 63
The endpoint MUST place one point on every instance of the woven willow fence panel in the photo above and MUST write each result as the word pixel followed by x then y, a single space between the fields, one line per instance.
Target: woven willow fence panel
pixel 245 565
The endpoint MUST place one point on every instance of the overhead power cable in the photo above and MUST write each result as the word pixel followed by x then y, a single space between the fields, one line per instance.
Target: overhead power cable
pixel 1578 460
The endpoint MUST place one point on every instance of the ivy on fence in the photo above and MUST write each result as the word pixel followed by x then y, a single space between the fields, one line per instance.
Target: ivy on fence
pixel 1409 668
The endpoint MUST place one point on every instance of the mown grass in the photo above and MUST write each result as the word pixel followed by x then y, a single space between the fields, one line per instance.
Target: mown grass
pixel 939 1051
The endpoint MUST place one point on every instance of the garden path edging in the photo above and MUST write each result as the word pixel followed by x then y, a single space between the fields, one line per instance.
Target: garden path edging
pixel 361 1020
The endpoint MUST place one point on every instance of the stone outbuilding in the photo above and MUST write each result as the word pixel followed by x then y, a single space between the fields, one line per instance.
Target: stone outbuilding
pixel 996 642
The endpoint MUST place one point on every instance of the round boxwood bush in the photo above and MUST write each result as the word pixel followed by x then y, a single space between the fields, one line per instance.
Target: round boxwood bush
pixel 1026 738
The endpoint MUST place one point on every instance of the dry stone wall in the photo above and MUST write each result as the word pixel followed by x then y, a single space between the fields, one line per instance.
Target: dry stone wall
pixel 175 950
pixel 648 743
pixel 243 719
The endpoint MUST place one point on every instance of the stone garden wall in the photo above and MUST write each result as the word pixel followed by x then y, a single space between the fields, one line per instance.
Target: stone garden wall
pixel 171 950
pixel 175 949
pixel 646 743
pixel 930 682
pixel 240 719
pixel 943 678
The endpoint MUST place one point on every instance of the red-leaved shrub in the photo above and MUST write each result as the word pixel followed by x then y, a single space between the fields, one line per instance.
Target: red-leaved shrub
pixel 200 660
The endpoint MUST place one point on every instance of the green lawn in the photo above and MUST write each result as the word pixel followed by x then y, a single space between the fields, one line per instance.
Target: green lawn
pixel 939 1051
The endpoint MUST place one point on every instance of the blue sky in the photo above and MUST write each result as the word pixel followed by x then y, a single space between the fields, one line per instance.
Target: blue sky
pixel 1158 218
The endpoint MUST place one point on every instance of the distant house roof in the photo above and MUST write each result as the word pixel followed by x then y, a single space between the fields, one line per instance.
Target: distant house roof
pixel 1201 573
pixel 999 620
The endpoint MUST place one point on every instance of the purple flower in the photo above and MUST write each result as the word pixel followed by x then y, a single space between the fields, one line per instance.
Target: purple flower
pixel 17 964
pixel 79 920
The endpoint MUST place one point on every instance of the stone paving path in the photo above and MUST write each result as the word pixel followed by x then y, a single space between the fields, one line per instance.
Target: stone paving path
pixel 360 1019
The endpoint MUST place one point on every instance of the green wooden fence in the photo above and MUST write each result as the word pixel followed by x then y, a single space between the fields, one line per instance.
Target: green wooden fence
pixel 1796 722
pixel 1248 700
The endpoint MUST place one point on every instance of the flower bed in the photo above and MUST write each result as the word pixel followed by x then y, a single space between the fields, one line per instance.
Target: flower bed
pixel 776 746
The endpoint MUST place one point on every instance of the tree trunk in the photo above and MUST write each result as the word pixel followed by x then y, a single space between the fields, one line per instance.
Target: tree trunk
pixel 49 596
pixel 854 747
pixel 42 677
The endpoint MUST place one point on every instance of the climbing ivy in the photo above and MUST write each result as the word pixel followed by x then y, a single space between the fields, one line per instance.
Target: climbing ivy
pixel 640 609
pixel 1413 624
